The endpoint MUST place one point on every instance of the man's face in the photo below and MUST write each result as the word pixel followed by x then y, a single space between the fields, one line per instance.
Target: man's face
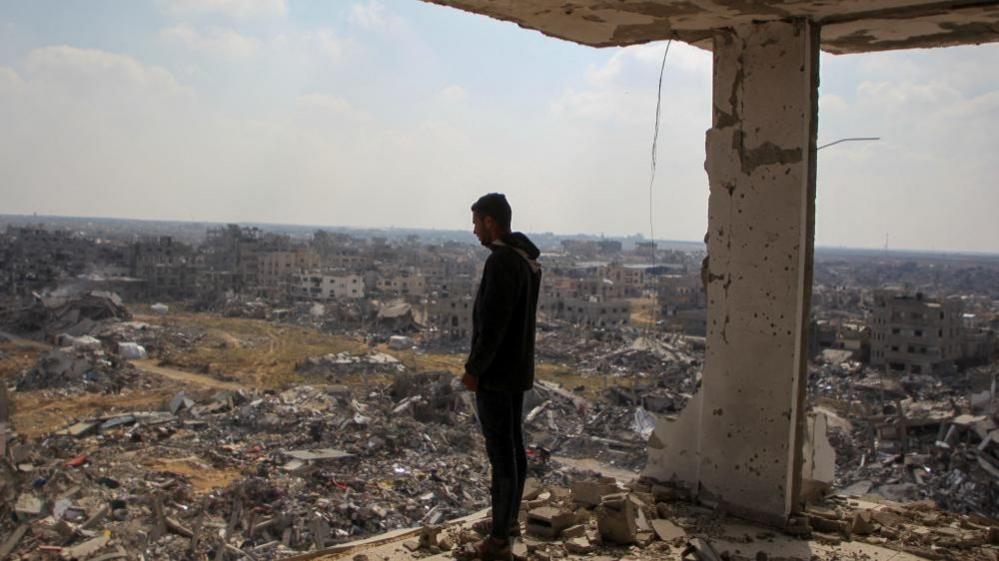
pixel 483 228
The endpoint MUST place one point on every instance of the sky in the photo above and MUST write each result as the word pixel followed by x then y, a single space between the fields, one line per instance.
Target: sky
pixel 398 113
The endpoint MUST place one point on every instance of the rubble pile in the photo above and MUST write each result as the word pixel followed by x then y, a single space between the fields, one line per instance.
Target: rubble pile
pixel 623 351
pixel 332 366
pixel 67 313
pixel 74 369
pixel 920 528
pixel 309 466
pixel 600 518
pixel 278 472
pixel 911 438
pixel 657 374
pixel 570 425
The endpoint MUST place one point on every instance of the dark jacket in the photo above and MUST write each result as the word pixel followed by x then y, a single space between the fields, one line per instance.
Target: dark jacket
pixel 503 319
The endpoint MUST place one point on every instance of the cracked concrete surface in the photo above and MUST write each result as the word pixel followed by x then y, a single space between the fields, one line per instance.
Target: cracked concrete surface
pixel 848 26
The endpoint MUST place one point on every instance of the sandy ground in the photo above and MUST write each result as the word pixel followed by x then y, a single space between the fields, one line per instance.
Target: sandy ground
pixel 149 366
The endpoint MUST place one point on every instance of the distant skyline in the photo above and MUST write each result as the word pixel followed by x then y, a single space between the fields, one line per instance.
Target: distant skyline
pixel 304 229
pixel 401 113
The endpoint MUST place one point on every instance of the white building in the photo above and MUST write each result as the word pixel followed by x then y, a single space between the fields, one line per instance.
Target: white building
pixel 328 286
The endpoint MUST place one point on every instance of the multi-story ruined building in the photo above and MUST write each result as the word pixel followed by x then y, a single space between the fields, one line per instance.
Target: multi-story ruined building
pixel 327 286
pixel 451 316
pixel 630 279
pixel 587 312
pixel 276 269
pixel 913 334
pixel 169 268
pixel 403 284
pixel 681 292
pixel 232 255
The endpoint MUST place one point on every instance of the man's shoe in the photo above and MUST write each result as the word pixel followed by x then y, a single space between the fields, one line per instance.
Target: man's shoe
pixel 489 549
pixel 485 528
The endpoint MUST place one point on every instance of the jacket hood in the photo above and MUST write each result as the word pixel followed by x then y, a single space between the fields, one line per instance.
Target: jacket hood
pixel 517 240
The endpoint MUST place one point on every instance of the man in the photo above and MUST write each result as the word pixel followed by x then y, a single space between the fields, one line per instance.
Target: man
pixel 500 366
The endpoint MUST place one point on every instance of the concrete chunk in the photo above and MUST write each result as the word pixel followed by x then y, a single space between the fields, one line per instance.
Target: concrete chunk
pixel 667 531
pixel 574 531
pixel 548 522
pixel 86 549
pixel 861 524
pixel 317 454
pixel 81 429
pixel 589 492
pixel 578 545
pixel 28 506
pixel 617 519
pixel 532 487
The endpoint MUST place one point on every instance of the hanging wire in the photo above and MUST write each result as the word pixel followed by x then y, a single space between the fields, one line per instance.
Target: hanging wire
pixel 652 179
pixel 655 139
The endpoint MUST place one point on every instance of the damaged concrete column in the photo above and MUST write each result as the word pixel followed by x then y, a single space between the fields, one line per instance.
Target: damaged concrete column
pixel 739 440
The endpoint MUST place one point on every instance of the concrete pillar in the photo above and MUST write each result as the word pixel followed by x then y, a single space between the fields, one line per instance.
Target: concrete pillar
pixel 739 440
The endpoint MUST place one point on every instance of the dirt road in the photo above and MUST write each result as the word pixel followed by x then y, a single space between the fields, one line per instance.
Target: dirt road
pixel 150 366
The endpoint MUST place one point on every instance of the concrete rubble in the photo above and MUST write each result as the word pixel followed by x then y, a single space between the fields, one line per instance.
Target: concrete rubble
pixel 643 520
pixel 909 439
pixel 266 474
pixel 67 312
pixel 360 444
pixel 339 364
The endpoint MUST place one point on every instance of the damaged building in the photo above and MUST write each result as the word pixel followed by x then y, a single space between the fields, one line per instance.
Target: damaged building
pixel 913 334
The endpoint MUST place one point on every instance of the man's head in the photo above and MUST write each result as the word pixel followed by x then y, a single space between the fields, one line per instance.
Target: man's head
pixel 491 216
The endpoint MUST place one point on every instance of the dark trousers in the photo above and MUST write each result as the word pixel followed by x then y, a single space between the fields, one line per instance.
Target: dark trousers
pixel 501 419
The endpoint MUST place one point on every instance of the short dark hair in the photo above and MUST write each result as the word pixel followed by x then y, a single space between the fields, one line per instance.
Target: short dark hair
pixel 495 206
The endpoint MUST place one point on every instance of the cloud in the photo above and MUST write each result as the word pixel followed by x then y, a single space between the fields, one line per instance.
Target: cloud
pixel 595 105
pixel 907 94
pixel 682 58
pixel 80 70
pixel 624 87
pixel 605 122
pixel 217 42
pixel 327 43
pixel 373 16
pixel 832 104
pixel 453 94
pixel 324 102
pixel 95 132
pixel 100 133
pixel 925 181
pixel 9 80
pixel 318 109
pixel 241 9
pixel 323 46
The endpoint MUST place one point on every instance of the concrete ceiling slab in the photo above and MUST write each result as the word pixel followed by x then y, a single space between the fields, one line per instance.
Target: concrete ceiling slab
pixel 848 26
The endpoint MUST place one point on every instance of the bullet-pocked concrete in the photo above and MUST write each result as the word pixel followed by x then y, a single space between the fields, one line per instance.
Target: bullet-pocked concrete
pixel 849 26
pixel 739 440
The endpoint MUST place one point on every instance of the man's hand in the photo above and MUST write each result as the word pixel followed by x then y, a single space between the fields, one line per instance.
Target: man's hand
pixel 471 382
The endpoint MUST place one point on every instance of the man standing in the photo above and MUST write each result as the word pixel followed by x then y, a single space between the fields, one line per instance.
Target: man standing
pixel 500 366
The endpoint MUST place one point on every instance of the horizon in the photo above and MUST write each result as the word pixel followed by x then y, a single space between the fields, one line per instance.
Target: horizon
pixel 637 235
